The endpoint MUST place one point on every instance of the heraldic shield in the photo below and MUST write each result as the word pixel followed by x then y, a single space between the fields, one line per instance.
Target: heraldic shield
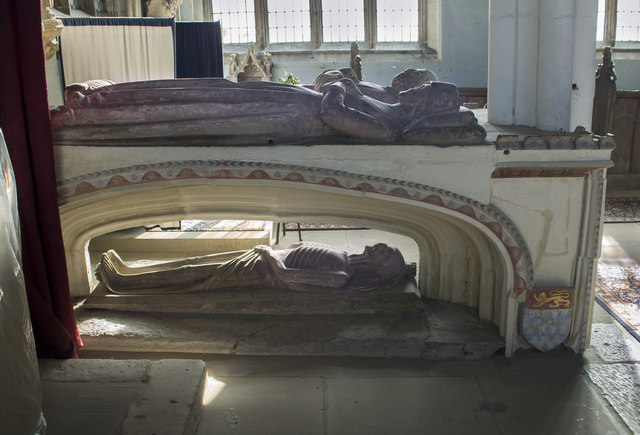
pixel 547 317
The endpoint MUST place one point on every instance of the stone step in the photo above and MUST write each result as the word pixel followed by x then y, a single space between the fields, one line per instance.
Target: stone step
pixel 122 396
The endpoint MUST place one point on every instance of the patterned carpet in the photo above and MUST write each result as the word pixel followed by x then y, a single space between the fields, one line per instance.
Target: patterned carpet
pixel 618 292
pixel 622 210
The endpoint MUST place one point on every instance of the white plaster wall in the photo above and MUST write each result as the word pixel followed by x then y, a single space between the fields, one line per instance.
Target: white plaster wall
pixel 627 69
pixel 548 212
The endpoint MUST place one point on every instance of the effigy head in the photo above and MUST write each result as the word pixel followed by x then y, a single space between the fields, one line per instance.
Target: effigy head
pixel 387 261
pixel 412 78
pixel 432 98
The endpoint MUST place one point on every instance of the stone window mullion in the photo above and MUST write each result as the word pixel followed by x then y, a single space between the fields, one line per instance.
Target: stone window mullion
pixel 262 23
pixel 370 22
pixel 423 30
pixel 610 21
pixel 315 10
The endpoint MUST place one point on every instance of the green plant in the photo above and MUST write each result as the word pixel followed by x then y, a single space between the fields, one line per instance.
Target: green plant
pixel 289 78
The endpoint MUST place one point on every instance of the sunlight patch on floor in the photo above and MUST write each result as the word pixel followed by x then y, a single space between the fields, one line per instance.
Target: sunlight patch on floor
pixel 212 388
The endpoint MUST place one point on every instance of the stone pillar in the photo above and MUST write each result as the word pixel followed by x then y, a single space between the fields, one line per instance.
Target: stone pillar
pixel 513 61
pixel 502 61
pixel 526 62
pixel 541 62
pixel 555 64
pixel 192 10
pixel 584 64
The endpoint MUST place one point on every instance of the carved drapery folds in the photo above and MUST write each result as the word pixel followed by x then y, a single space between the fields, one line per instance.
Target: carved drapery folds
pixel 51 29
pixel 250 67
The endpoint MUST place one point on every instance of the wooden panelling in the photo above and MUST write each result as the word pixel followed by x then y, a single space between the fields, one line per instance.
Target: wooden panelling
pixel 624 122
pixel 626 128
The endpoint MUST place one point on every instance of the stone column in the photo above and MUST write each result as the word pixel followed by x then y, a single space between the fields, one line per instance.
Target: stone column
pixel 192 10
pixel 513 57
pixel 584 64
pixel 555 64
pixel 538 51
pixel 526 62
pixel 502 61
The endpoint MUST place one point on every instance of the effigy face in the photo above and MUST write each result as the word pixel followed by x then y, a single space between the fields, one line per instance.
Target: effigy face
pixel 213 112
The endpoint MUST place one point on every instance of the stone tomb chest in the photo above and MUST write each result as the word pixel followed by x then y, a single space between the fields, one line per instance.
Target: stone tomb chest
pixel 509 225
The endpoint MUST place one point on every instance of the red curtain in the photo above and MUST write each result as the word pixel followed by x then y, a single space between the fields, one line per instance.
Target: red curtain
pixel 24 119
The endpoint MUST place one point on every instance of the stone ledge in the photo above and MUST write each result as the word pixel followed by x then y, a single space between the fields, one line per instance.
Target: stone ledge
pixel 171 400
pixel 573 141
pixel 123 396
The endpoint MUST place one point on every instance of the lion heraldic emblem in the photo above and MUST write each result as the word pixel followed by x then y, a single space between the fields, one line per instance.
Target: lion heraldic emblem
pixel 552 299
pixel 547 317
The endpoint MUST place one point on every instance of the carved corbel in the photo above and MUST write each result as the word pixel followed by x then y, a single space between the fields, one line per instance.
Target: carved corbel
pixel 250 67
pixel 51 29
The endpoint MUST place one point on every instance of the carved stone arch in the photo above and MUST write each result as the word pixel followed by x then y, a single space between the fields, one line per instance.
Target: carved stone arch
pixel 469 252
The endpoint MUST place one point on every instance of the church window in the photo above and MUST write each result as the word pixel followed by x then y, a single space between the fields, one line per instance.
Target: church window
pixel 618 22
pixel 294 25
pixel 237 20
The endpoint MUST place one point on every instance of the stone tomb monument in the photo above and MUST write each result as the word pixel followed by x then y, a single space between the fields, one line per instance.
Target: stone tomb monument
pixel 507 220
pixel 307 299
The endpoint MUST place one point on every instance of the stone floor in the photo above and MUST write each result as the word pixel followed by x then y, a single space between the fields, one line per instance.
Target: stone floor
pixel 533 393
pixel 553 393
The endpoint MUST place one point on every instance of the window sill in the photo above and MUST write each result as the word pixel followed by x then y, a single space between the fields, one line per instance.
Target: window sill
pixel 621 47
pixel 338 48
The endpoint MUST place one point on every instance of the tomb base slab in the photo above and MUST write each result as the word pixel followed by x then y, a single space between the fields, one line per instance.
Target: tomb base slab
pixel 440 330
